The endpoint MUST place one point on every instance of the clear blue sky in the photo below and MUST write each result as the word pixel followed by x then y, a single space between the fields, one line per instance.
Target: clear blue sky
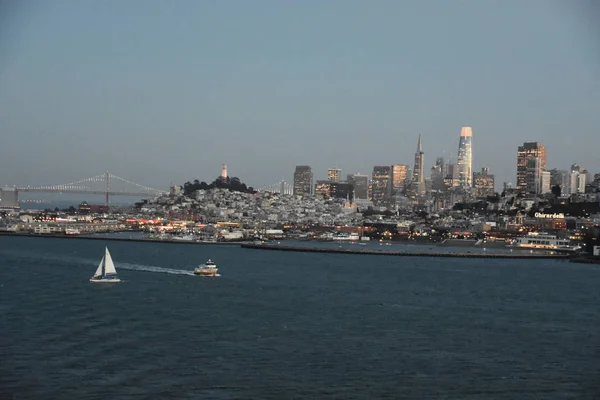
pixel 166 91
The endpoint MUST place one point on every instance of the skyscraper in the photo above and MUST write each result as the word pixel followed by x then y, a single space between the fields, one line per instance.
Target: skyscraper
pixel 381 184
pixel 419 171
pixel 465 157
pixel 545 186
pixel 399 172
pixel 525 153
pixel 438 173
pixel 360 184
pixel 334 174
pixel 483 183
pixel 303 180
pixel 533 177
pixel 577 180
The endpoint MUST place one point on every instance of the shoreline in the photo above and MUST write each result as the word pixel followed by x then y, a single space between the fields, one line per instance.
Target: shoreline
pixel 279 247
pixel 115 239
pixel 402 253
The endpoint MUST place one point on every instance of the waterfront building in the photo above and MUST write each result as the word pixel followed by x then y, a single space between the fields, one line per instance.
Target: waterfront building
pixel 465 157
pixel 334 174
pixel 303 180
pixel 528 151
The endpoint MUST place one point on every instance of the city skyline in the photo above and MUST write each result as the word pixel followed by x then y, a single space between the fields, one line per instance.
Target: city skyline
pixel 89 89
pixel 524 169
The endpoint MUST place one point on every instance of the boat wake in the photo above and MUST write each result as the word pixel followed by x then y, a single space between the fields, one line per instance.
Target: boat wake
pixel 150 268
pixel 87 261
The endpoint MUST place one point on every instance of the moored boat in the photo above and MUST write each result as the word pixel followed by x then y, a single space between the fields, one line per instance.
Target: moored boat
pixel 544 241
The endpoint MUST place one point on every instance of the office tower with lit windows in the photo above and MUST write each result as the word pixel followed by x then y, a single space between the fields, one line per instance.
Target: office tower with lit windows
pixel 334 174
pixel 381 184
pixel 399 173
pixel 525 153
pixel 483 183
pixel 303 180
pixel 464 162
pixel 323 189
pixel 337 190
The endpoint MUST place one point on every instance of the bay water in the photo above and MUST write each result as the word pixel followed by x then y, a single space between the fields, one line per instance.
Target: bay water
pixel 281 325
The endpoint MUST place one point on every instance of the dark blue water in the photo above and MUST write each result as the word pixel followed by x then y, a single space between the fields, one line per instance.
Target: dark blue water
pixel 292 325
pixel 408 247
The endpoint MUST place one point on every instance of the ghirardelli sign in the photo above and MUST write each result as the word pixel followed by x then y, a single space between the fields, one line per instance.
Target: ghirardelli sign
pixel 552 216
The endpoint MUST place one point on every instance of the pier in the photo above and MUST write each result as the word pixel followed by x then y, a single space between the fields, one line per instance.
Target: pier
pixel 529 256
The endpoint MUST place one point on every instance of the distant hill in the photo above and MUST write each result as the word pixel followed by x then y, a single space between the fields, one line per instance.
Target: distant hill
pixel 233 184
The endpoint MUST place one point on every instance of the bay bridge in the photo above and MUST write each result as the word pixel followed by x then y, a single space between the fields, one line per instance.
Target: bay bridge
pixel 105 184
pixel 280 187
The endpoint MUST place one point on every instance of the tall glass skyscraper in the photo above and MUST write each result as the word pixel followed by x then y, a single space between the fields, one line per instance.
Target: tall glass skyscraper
pixel 399 172
pixel 382 184
pixel 303 180
pixel 465 157
pixel 528 151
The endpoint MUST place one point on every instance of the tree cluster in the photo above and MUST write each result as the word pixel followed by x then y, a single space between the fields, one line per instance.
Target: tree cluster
pixel 71 210
pixel 232 184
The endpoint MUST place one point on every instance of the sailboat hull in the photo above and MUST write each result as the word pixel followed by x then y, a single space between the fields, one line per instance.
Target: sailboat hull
pixel 105 280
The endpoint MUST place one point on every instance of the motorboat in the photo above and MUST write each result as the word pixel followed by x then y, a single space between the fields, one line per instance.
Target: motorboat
pixel 207 269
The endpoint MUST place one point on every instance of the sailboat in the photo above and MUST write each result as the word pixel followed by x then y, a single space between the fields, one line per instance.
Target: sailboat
pixel 106 272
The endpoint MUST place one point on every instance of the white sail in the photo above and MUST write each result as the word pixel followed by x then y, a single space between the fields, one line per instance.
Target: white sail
pixel 109 266
pixel 99 270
